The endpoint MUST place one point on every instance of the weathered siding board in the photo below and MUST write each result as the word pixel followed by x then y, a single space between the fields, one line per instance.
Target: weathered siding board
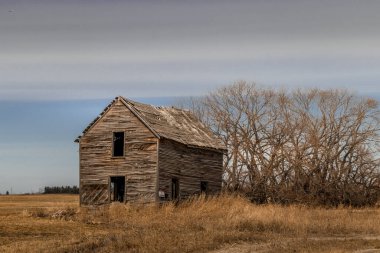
pixel 190 166
pixel 159 144
pixel 94 193
pixel 139 165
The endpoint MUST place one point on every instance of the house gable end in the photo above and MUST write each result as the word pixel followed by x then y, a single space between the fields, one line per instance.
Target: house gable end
pixel 115 117
pixel 99 166
pixel 119 101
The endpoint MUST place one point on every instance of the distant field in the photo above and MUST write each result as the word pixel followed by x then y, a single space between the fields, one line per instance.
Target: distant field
pixel 55 223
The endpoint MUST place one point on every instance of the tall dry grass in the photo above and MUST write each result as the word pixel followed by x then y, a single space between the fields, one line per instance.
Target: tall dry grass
pixel 201 224
pixel 197 225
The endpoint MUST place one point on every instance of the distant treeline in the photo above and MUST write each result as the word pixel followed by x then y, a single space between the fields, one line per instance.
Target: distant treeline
pixel 61 189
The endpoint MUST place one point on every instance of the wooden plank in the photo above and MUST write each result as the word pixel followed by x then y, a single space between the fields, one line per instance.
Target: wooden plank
pixel 149 163
pixel 139 165
pixel 190 166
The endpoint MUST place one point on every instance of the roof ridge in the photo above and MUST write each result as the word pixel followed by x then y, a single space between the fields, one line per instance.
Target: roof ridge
pixel 137 113
pixel 132 102
pixel 173 123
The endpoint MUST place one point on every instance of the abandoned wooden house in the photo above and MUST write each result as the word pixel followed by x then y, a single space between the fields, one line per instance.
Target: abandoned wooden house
pixel 134 151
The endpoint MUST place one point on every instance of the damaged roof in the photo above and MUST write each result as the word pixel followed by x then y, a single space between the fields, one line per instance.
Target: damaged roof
pixel 171 123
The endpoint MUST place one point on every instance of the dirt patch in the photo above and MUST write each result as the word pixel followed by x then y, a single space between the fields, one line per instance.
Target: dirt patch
pixel 244 248
pixel 368 251
pixel 355 244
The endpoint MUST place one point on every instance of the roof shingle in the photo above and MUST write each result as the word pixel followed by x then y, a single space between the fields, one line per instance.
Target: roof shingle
pixel 172 123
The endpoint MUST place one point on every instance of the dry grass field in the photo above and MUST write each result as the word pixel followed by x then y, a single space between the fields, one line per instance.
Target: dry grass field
pixel 55 223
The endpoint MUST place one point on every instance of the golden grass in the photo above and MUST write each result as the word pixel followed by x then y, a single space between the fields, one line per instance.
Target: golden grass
pixel 55 223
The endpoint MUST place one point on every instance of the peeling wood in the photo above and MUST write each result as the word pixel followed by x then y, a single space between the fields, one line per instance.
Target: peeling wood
pixel 178 147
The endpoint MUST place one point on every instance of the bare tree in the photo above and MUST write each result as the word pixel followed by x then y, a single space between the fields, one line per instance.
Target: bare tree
pixel 313 146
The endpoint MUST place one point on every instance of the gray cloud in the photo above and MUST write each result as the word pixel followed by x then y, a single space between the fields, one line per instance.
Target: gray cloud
pixel 68 47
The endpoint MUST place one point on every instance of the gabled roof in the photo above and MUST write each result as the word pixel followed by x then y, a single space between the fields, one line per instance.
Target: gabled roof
pixel 170 123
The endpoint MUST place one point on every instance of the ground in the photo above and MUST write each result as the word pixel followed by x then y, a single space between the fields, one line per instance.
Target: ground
pixel 55 223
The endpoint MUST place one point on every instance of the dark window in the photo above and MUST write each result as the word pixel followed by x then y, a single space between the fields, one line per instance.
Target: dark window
pixel 118 144
pixel 175 189
pixel 117 189
pixel 204 186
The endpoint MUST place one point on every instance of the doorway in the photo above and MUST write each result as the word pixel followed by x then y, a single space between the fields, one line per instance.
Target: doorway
pixel 117 189
pixel 204 187
pixel 175 189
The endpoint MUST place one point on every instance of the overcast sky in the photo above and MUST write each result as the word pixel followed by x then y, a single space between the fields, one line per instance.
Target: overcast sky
pixel 60 50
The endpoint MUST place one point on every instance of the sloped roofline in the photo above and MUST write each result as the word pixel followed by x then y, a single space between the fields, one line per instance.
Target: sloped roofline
pixel 130 105
pixel 96 120
pixel 125 102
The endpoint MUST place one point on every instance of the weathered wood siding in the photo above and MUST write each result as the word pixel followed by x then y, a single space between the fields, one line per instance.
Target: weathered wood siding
pixel 139 165
pixel 190 166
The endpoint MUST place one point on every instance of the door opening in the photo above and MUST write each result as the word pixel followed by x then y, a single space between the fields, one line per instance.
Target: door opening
pixel 204 187
pixel 175 189
pixel 117 189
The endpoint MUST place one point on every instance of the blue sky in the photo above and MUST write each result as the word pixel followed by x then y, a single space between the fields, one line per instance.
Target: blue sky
pixel 37 141
pixel 62 61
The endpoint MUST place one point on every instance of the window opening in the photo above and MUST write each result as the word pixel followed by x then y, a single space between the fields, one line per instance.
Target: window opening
pixel 118 144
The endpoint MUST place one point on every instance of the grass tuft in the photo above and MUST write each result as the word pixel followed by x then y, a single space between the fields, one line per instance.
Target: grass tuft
pixel 197 225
